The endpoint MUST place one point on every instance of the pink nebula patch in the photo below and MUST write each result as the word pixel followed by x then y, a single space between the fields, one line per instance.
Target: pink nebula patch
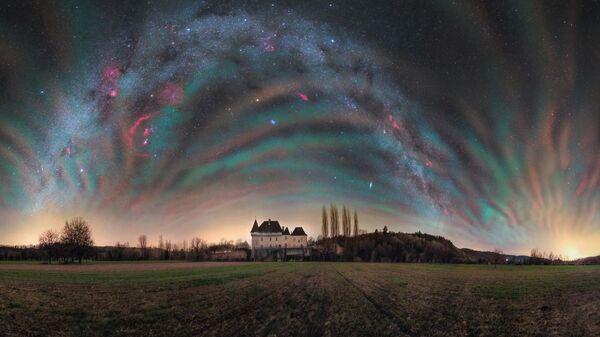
pixel 302 96
pixel 111 73
pixel 170 94
pixel 268 45
pixel 394 123
pixel 110 81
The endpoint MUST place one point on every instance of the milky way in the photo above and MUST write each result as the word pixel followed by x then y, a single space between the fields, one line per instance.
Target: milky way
pixel 477 123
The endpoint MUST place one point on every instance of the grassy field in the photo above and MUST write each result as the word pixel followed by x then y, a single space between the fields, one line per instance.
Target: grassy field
pixel 303 299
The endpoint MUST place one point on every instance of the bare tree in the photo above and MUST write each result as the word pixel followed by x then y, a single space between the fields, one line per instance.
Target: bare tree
pixel 161 243
pixel 48 242
pixel 552 257
pixel 77 238
pixel 325 225
pixel 161 247
pixel 143 244
pixel 167 249
pixel 497 256
pixel 197 246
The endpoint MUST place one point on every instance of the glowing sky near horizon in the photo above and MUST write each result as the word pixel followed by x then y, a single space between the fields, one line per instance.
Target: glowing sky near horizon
pixel 475 121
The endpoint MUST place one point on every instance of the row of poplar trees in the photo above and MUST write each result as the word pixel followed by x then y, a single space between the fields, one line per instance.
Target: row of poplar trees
pixel 331 222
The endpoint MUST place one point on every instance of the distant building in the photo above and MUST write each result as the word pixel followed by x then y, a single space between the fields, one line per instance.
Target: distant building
pixel 272 242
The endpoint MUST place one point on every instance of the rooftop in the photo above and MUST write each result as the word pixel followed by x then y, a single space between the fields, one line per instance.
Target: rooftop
pixel 298 231
pixel 273 226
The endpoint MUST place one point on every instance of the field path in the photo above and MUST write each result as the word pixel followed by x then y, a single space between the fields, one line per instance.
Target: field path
pixel 399 322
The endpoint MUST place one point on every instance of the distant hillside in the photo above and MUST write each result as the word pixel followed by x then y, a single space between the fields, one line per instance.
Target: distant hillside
pixel 404 247
pixel 588 260
pixel 476 256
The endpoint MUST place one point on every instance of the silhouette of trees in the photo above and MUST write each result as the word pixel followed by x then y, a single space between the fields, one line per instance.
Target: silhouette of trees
pixel 346 221
pixel 497 257
pixel 324 225
pixel 198 249
pixel 49 241
pixel 333 212
pixel 168 249
pixel 143 244
pixel 390 247
pixel 161 247
pixel 117 253
pixel 76 238
pixel 355 223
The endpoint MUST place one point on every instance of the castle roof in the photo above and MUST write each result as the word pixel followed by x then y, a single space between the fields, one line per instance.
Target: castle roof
pixel 273 226
pixel 269 226
pixel 298 231
pixel 254 227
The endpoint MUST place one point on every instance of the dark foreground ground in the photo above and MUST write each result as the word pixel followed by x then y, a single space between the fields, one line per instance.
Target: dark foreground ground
pixel 300 299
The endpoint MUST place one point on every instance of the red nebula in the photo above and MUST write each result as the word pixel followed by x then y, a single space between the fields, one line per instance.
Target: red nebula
pixel 170 94
pixel 394 123
pixel 109 82
pixel 130 136
pixel 302 96
pixel 111 73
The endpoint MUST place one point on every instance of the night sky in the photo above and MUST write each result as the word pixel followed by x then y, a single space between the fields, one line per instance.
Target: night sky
pixel 473 120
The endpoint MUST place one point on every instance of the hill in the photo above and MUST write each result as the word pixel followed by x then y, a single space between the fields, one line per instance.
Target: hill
pixel 588 260
pixel 387 246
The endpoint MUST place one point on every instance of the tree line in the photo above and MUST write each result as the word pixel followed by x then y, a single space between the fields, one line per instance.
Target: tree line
pixel 197 249
pixel 386 246
pixel 74 244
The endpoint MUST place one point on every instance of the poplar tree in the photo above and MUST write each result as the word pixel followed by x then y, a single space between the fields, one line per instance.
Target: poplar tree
pixel 325 225
pixel 355 223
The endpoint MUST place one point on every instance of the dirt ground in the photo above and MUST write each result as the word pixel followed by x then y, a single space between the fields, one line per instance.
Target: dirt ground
pixel 114 267
pixel 303 299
